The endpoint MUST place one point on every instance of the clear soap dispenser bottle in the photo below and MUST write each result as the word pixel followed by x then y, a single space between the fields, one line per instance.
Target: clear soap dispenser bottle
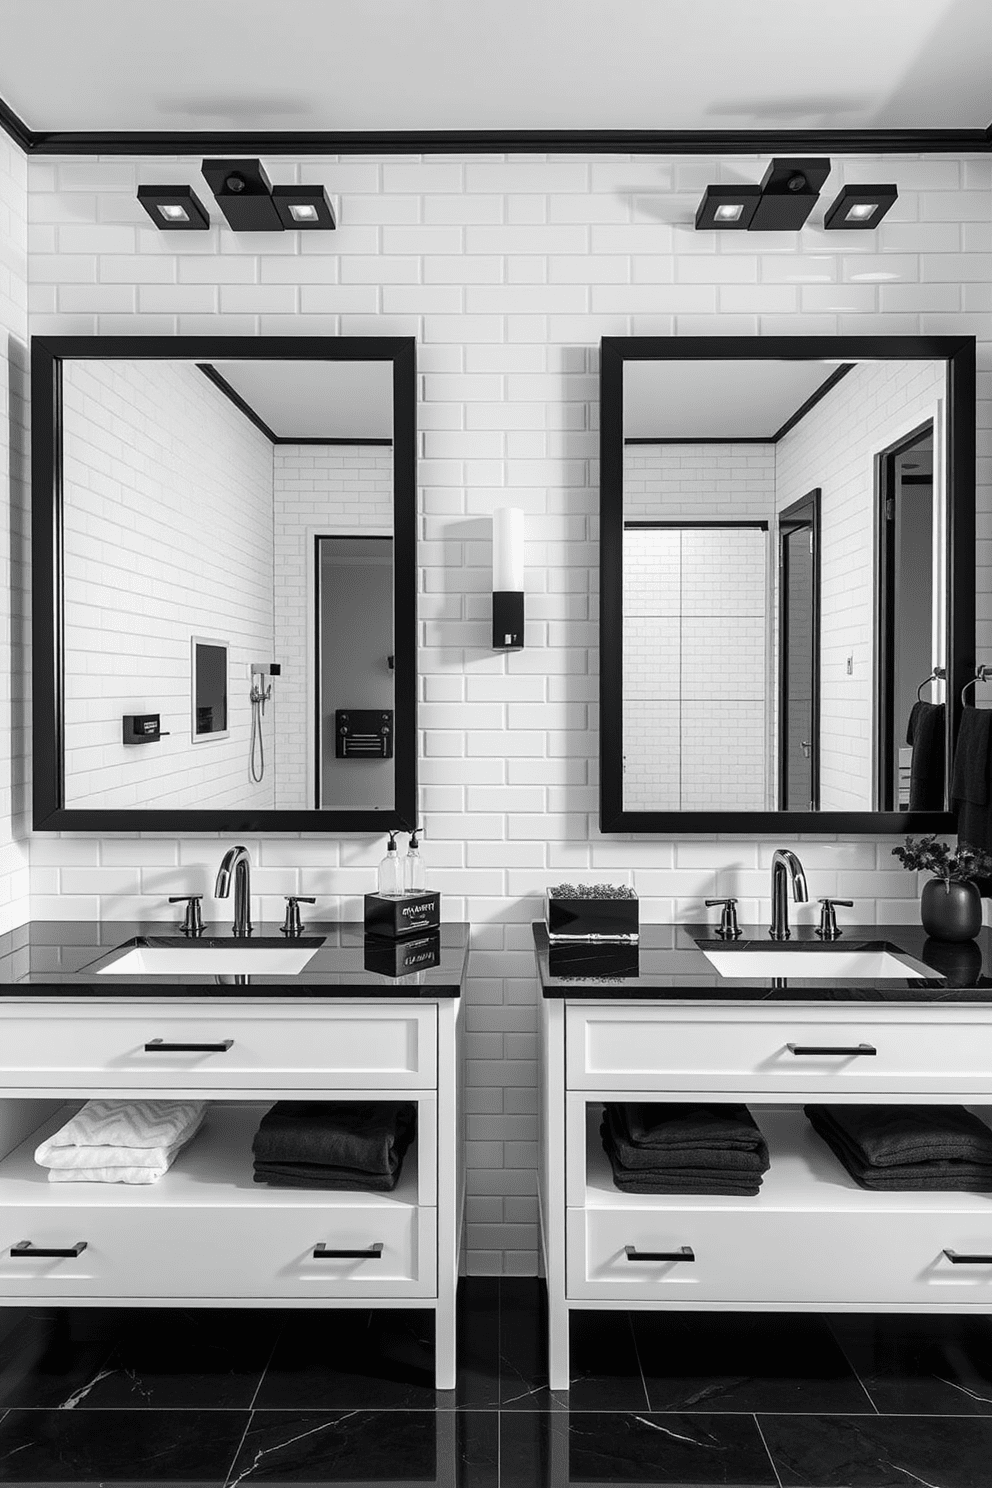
pixel 413 865
pixel 391 870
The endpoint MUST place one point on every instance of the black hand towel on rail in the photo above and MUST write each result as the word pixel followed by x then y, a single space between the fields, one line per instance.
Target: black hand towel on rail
pixel 926 776
pixel 364 1136
pixel 971 777
pixel 686 1155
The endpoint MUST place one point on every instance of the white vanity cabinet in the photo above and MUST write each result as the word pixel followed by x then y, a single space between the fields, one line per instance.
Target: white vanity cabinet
pixel 812 1240
pixel 205 1234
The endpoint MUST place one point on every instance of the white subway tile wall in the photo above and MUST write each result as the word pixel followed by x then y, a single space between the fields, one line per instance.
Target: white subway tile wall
pixel 508 272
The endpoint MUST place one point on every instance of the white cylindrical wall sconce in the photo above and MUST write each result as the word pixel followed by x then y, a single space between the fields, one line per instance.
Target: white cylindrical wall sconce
pixel 508 579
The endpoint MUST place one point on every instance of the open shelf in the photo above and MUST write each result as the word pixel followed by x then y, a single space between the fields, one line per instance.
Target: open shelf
pixel 804 1176
pixel 215 1170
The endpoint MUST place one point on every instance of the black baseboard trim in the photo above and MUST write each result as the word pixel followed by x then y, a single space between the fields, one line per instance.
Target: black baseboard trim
pixel 499 142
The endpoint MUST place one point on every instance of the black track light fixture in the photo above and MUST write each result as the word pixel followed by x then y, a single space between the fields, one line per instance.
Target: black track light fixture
pixel 788 192
pixel 859 207
pixel 251 203
pixel 174 208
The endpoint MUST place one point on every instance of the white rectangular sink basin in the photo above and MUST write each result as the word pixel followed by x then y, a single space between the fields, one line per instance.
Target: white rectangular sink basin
pixel 828 965
pixel 194 960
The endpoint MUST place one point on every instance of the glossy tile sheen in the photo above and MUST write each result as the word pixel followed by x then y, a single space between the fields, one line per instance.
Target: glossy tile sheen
pixel 119 1447
pixel 880 1451
pixel 744 1362
pixel 344 1447
pixel 921 1365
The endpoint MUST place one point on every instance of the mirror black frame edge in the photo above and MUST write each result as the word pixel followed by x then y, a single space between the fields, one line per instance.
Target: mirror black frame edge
pixel 958 352
pixel 50 814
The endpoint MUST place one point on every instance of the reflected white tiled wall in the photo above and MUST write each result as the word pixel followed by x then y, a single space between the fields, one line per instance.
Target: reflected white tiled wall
pixel 15 885
pixel 508 271
pixel 173 541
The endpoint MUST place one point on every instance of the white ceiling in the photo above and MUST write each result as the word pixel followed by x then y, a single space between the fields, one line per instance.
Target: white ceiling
pixel 496 64
pixel 715 400
pixel 317 400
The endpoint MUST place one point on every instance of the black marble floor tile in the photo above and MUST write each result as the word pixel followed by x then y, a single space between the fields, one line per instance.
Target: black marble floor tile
pixel 744 1362
pixel 352 1360
pixel 605 1374
pixel 202 1358
pixel 56 1447
pixel 523 1353
pixel 921 1365
pixel 50 1358
pixel 317 1447
pixel 880 1451
pixel 555 1449
pixel 478 1342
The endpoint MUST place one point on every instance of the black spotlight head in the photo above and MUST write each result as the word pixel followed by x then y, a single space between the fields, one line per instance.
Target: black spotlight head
pixel 174 208
pixel 303 208
pixel 859 207
pixel 727 208
pixel 788 194
pixel 244 194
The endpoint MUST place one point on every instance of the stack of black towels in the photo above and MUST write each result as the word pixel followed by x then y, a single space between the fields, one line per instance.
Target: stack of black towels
pixel 891 1148
pixel 668 1147
pixel 334 1144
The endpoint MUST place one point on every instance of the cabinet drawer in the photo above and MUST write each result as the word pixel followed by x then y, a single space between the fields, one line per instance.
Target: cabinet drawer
pixel 341 1048
pixel 707 1049
pixel 221 1252
pixel 790 1259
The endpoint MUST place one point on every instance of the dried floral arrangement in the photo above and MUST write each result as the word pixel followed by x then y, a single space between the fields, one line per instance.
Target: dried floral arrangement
pixel 928 855
pixel 591 891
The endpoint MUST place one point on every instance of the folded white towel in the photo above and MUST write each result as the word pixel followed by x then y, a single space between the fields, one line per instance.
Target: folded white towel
pixel 118 1173
pixel 107 1134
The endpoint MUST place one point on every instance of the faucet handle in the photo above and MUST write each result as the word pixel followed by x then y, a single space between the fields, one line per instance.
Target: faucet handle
pixel 192 922
pixel 728 928
pixel 292 924
pixel 828 928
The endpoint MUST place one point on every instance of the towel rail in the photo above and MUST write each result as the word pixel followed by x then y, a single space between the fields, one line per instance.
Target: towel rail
pixel 937 675
pixel 982 674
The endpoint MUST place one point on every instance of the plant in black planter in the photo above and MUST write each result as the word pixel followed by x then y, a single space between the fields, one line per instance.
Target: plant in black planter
pixel 950 906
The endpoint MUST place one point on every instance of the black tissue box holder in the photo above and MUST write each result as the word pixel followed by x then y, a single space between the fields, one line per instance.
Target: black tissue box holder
pixel 403 914
pixel 589 917
pixel 398 958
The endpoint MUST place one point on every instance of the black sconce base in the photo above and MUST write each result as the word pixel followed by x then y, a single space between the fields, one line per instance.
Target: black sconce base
pixel 508 620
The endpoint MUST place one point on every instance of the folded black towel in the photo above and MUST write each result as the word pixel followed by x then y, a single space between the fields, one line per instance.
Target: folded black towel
pixel 662 1179
pixel 971 776
pixel 890 1136
pixel 363 1136
pixel 681 1126
pixel 936 1176
pixel 926 777
pixel 690 1155
pixel 320 1175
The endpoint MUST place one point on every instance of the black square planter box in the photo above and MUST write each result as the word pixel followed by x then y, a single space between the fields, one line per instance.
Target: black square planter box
pixel 591 919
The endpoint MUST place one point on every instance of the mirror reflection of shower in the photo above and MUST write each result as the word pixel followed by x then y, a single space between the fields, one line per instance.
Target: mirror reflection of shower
pixel 258 695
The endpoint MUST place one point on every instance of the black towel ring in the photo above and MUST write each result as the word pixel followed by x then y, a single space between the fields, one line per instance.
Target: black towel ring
pixel 935 676
pixel 982 674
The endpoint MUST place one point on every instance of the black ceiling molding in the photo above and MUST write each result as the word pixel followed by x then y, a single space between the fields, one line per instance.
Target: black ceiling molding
pixel 221 383
pixel 790 423
pixel 496 141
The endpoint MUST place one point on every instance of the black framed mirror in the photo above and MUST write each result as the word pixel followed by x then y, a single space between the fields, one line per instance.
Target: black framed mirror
pixel 224 583
pixel 787 567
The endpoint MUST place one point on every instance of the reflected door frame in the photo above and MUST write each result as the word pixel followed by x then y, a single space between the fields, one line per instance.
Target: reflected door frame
pixel 802 516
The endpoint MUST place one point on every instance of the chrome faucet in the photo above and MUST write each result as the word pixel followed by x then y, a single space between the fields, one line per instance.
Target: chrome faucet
pixel 785 862
pixel 236 860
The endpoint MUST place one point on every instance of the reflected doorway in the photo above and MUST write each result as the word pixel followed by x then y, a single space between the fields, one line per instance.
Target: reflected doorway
pixel 799 655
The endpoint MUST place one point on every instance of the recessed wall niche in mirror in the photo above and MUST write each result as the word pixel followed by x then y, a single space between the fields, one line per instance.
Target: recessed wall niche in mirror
pixel 787 572
pixel 229 534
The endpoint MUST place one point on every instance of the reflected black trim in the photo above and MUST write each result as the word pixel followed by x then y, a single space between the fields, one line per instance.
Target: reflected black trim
pixel 959 354
pixel 811 401
pixel 221 383
pixel 676 522
pixel 790 422
pixel 50 812
pixel 498 141
pixel 709 439
pixel 804 513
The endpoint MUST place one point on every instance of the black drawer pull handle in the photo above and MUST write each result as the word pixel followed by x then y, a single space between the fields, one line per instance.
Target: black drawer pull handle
pixel 159 1046
pixel 831 1049
pixel 25 1248
pixel 684 1253
pixel 373 1253
pixel 967 1260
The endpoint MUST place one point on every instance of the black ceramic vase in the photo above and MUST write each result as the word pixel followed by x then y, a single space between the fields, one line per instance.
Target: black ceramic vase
pixel 951 911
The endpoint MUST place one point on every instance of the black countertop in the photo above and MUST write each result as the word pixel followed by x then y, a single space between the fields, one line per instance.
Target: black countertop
pixel 668 965
pixel 60 959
